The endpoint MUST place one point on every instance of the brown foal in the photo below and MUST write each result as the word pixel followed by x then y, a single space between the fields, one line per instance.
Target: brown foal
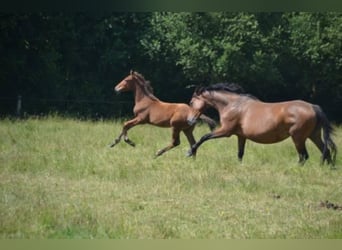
pixel 149 109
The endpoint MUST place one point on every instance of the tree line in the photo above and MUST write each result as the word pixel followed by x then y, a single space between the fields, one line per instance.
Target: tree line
pixel 69 62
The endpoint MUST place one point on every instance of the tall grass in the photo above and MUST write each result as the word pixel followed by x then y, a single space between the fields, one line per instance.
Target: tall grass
pixel 59 179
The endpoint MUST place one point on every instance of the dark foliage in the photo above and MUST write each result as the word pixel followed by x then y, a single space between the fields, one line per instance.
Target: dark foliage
pixel 69 62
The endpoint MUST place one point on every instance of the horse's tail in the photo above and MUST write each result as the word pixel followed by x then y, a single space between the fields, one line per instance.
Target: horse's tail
pixel 328 130
pixel 211 123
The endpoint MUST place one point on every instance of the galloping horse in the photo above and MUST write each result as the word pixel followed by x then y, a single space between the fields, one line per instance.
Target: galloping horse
pixel 248 118
pixel 149 109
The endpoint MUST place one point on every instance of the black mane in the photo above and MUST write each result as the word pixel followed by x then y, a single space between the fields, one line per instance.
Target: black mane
pixel 229 87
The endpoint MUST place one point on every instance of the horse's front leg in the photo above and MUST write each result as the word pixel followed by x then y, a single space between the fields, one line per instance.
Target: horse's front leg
pixel 189 135
pixel 221 132
pixel 127 125
pixel 117 140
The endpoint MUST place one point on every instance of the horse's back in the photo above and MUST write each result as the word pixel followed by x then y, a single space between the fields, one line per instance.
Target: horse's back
pixel 272 122
pixel 286 110
pixel 166 114
pixel 298 111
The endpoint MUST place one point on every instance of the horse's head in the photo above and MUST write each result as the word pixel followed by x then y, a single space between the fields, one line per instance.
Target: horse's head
pixel 127 84
pixel 199 105
pixel 199 101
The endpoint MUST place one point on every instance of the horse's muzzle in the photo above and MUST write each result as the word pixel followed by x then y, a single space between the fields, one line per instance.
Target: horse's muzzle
pixel 117 90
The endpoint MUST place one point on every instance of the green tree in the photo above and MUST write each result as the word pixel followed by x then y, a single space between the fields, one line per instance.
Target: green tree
pixel 276 56
pixel 69 62
pixel 211 47
pixel 316 44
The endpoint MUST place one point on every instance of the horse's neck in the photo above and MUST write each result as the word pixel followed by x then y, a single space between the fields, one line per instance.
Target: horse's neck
pixel 221 100
pixel 140 94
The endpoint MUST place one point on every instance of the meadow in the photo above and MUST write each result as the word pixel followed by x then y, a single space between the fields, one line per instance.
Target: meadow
pixel 59 179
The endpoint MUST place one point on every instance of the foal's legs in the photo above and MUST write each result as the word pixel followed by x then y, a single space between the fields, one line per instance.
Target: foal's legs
pixel 127 125
pixel 175 142
pixel 189 135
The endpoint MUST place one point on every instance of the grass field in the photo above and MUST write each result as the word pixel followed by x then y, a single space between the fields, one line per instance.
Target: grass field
pixel 59 179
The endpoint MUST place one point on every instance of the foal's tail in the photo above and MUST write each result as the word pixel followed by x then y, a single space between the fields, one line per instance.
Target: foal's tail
pixel 328 130
pixel 211 123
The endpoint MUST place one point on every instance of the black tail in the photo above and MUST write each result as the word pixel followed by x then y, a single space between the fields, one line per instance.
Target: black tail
pixel 330 148
pixel 211 123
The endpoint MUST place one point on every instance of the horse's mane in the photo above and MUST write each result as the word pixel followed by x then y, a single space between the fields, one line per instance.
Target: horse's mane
pixel 145 84
pixel 228 87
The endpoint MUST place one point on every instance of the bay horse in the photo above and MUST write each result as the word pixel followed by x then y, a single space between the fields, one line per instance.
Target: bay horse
pixel 149 109
pixel 249 118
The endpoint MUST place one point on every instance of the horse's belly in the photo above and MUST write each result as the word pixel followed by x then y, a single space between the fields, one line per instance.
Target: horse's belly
pixel 268 137
pixel 268 140
pixel 160 121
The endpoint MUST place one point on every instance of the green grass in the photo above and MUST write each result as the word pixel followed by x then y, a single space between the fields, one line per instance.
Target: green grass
pixel 59 179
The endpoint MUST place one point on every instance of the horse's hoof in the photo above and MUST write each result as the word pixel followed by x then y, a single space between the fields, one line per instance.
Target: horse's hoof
pixel 189 153
pixel 129 142
pixel 159 153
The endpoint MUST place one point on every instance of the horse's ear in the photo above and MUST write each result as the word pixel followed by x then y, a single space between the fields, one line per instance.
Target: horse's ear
pixel 199 89
pixel 131 72
pixel 190 86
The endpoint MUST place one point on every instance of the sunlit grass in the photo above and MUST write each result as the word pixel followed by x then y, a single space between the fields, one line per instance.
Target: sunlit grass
pixel 59 179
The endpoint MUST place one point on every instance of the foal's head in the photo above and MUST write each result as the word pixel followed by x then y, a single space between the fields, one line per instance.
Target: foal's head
pixel 127 84
pixel 137 83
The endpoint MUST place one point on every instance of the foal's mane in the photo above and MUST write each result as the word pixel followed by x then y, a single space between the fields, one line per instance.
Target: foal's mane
pixel 146 85
pixel 228 87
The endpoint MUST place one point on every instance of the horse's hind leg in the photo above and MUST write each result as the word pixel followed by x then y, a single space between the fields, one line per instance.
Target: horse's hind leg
pixel 316 138
pixel 174 143
pixel 301 149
